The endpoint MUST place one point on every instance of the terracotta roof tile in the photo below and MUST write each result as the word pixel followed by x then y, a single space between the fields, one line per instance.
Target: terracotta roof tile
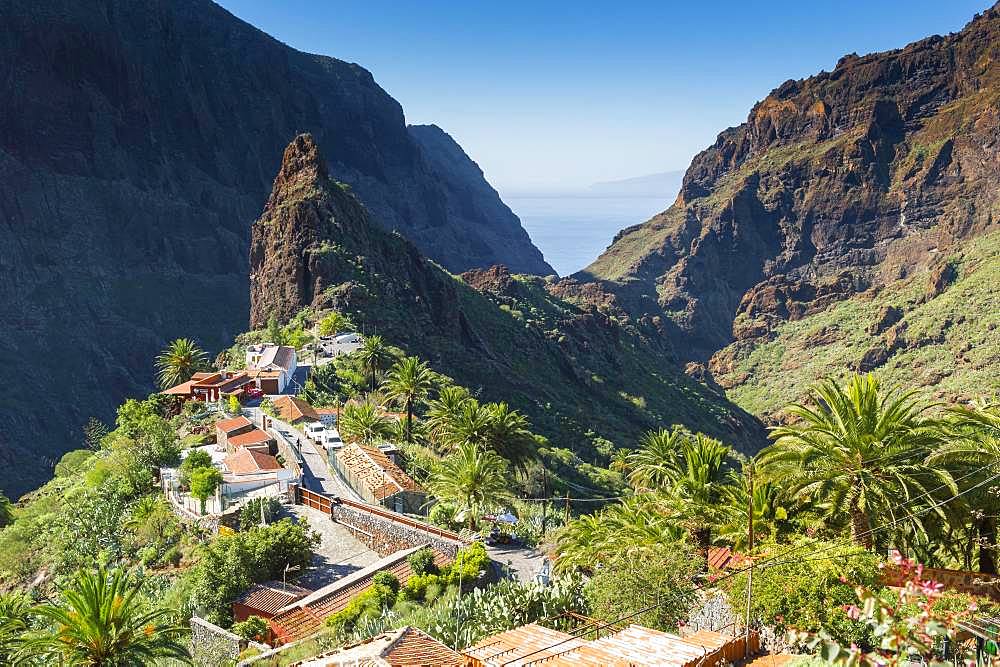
pixel 247 462
pixel 230 425
pixel 292 409
pixel 254 437
pixel 271 596
pixel 374 469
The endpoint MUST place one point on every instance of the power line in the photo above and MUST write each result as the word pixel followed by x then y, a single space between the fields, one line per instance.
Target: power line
pixel 769 563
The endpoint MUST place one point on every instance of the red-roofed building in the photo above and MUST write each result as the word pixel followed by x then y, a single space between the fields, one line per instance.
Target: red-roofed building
pixel 377 479
pixel 294 410
pixel 404 647
pixel 266 599
pixel 255 439
pixel 212 386
pixel 272 366
pixel 250 462
pixel 228 428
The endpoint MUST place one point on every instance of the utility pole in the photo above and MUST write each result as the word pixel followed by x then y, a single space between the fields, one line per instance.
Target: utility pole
pixel 746 625
pixel 545 495
pixel 567 507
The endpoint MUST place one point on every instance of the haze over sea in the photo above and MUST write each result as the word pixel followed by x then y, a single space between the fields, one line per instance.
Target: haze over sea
pixel 572 228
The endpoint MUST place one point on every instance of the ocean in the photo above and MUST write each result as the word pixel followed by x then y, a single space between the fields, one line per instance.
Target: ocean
pixel 571 231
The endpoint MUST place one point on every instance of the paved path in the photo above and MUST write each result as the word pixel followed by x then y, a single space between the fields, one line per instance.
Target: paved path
pixel 316 472
pixel 524 562
pixel 338 553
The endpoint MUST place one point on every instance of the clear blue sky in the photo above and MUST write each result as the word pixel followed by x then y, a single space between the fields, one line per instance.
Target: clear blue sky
pixel 562 94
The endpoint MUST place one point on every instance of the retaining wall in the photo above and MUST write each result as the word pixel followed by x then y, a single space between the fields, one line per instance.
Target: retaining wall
pixel 384 536
pixel 212 645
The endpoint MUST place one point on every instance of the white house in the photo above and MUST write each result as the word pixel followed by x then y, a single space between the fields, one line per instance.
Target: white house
pixel 272 366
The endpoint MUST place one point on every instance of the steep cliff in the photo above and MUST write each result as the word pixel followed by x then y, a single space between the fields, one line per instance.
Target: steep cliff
pixel 835 189
pixel 571 368
pixel 138 140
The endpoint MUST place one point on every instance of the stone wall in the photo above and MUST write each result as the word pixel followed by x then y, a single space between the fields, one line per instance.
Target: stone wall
pixel 212 646
pixel 714 613
pixel 387 537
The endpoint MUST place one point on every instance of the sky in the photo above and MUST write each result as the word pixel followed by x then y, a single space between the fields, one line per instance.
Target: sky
pixel 558 95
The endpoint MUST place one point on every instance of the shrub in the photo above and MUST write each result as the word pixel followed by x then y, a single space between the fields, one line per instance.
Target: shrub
pixel 443 514
pixel 422 562
pixel 380 595
pixel 254 628
pixel 250 513
pixel 417 586
pixel 148 556
pixel 643 577
pixel 172 556
pixel 810 593
pixel 469 564
pixel 196 458
pixel 387 579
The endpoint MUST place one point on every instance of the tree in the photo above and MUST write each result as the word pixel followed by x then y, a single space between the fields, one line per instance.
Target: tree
pixel 658 580
pixel 409 381
pixel 102 622
pixel 6 511
pixel 94 432
pixel 473 478
pixel 204 482
pixel 641 521
pixel 234 406
pixel 374 356
pixel 858 451
pixel 15 612
pixel 973 444
pixel 196 458
pixel 334 322
pixel 691 468
pixel 510 436
pixel 769 513
pixel 275 335
pixel 181 359
pixel 364 423
pixel 254 628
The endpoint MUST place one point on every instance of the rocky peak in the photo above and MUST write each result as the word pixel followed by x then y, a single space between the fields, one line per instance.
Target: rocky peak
pixel 302 169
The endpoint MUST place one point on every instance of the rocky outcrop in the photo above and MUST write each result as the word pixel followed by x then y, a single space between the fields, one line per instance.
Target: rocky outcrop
pixel 138 140
pixel 834 185
pixel 572 369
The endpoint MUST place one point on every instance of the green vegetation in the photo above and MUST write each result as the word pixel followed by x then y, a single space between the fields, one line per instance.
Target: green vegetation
pixel 254 628
pixel 204 482
pixel 101 621
pixel 947 346
pixel 181 359
pixel 364 423
pixel 472 479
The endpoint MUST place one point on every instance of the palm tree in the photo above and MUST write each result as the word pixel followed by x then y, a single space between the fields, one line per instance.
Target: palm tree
pixel 769 512
pixel 6 511
pixel 643 520
pixel 973 444
pixel 510 436
pixel 364 423
pixel 444 410
pixel 473 478
pixel 409 381
pixel 858 450
pixel 375 357
pixel 178 361
pixel 654 464
pixel 102 623
pixel 15 610
pixel 472 424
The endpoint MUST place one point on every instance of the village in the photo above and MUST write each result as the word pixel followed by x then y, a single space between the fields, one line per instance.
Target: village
pixel 371 517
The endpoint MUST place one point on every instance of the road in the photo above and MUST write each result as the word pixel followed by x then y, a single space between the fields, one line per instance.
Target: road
pixel 316 473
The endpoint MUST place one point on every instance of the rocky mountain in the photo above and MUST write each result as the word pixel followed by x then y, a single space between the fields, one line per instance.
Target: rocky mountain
pixel 827 231
pixel 571 368
pixel 138 140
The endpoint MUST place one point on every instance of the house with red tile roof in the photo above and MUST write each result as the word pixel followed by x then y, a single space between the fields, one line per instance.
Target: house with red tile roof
pixel 293 410
pixel 250 462
pixel 377 479
pixel 634 646
pixel 213 386
pixel 404 647
pixel 227 428
pixel 255 439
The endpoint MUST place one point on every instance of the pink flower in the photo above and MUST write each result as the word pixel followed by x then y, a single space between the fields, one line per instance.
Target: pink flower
pixel 843 579
pixel 853 612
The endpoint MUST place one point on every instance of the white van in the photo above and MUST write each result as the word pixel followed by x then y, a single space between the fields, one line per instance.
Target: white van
pixel 331 438
pixel 315 431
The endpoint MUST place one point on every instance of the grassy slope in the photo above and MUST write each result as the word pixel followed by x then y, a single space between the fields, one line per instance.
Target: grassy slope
pixel 953 347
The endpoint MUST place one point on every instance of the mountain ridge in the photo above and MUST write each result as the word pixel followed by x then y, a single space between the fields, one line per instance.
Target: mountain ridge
pixel 571 369
pixel 138 141
pixel 835 187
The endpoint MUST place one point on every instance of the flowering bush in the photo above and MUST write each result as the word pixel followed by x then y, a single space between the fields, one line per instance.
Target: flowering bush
pixel 907 624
